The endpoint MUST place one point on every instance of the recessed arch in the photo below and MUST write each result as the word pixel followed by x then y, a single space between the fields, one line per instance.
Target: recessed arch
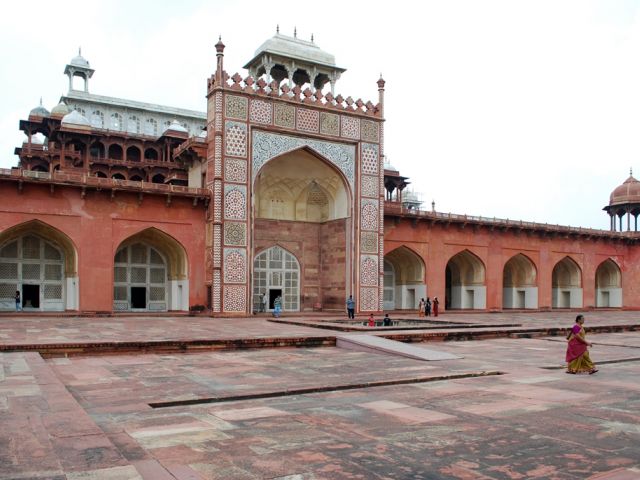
pixel 404 279
pixel 519 278
pixel 149 253
pixel 566 282
pixel 276 273
pixel 465 282
pixel 41 262
pixel 608 284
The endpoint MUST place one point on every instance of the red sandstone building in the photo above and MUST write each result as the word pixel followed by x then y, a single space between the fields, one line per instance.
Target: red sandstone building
pixel 280 188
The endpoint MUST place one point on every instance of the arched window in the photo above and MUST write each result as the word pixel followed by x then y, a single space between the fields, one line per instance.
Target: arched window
pixel 133 154
pixel 101 174
pixel 277 273
pixel 140 279
pixel 158 178
pixel 150 154
pixel 151 127
pixel 97 119
pixel 115 152
pixel 116 121
pixel 133 124
pixel 118 176
pixel 79 110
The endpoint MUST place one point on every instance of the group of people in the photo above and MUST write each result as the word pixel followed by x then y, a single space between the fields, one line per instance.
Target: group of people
pixel 386 321
pixel 277 304
pixel 425 307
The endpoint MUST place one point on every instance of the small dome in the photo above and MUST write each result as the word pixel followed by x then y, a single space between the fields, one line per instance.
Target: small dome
pixel 176 127
pixel 76 118
pixel 79 61
pixel 628 192
pixel 39 111
pixel 388 166
pixel 60 110
pixel 38 139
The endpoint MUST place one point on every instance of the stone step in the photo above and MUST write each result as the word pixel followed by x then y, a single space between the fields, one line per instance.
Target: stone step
pixel 374 344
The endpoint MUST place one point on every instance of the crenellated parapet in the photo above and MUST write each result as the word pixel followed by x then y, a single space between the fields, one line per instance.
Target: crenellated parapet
pixel 294 94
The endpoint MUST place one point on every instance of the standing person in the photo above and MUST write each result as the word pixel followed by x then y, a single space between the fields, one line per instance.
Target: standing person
pixel 578 360
pixel 351 307
pixel 372 322
pixel 263 303
pixel 421 307
pixel 386 321
pixel 427 307
pixel 18 301
pixel 277 306
pixel 435 306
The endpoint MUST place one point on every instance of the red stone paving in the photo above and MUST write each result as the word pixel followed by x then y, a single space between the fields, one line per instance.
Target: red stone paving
pixel 89 417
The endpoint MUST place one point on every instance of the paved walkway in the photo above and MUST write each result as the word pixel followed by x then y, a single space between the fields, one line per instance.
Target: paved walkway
pixel 91 417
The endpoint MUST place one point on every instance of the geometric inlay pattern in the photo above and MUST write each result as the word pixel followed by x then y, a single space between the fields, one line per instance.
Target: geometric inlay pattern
pixel 236 234
pixel 284 116
pixel 270 145
pixel 369 186
pixel 369 299
pixel 236 107
pixel 369 270
pixel 350 127
pixel 307 120
pixel 369 131
pixel 369 159
pixel 369 216
pixel 329 123
pixel 235 170
pixel 235 265
pixel 261 111
pixel 235 202
pixel 368 242
pixel 235 298
pixel 215 291
pixel 236 139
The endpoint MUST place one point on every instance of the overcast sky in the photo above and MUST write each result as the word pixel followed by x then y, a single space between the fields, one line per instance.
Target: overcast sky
pixel 527 110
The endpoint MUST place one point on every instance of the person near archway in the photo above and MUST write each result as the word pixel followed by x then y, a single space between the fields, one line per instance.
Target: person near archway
pixel 351 307
pixel 435 306
pixel 277 306
pixel 263 303
pixel 18 301
pixel 421 308
pixel 577 358
pixel 372 322
pixel 427 307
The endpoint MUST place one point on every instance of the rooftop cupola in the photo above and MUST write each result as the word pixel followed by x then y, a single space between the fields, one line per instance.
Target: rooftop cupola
pixel 79 67
pixel 300 61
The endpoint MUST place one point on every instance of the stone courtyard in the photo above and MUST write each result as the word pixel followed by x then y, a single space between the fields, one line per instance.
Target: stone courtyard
pixel 126 397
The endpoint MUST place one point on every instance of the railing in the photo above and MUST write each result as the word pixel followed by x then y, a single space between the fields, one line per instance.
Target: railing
pixel 107 183
pixel 391 207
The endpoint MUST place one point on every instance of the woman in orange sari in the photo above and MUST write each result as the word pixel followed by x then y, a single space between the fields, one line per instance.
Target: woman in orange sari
pixel 578 360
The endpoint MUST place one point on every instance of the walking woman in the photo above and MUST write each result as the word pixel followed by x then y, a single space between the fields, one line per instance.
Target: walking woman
pixel 578 360
pixel 435 306
pixel 421 308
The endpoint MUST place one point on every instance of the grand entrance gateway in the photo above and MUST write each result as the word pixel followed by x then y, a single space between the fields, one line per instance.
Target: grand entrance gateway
pixel 278 188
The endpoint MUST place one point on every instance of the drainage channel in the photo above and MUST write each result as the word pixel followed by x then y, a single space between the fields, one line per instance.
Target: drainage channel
pixel 324 389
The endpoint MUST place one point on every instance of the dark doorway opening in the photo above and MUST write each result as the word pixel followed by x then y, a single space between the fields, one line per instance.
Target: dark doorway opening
pixel 138 297
pixel 273 293
pixel 30 296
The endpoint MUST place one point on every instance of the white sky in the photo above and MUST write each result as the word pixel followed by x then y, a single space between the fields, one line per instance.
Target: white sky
pixel 508 108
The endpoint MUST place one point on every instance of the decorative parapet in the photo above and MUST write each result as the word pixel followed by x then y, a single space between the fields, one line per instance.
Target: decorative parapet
pixel 395 209
pixel 308 97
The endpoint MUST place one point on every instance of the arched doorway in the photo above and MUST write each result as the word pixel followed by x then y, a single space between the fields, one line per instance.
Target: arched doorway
pixel 519 287
pixel 404 274
pixel 150 274
pixel 465 282
pixel 608 285
pixel 566 282
pixel 276 272
pixel 40 262
pixel 302 203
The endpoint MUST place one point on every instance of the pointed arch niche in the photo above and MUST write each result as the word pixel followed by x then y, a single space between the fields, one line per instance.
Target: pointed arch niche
pixel 465 282
pixel 566 284
pixel 608 285
pixel 519 283
pixel 150 273
pixel 404 274
pixel 41 263
pixel 302 201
